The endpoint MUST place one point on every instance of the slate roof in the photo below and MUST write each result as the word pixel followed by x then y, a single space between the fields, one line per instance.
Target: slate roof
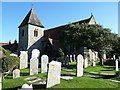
pixel 31 18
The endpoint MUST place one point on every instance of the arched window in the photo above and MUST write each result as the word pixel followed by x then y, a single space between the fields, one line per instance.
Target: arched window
pixel 35 32
pixel 23 32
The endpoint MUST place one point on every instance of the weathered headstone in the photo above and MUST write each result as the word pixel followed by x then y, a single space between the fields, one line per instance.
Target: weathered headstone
pixel 35 53
pixel 33 66
pixel 23 59
pixel 79 65
pixel 85 62
pixel 53 76
pixel 116 65
pixel 34 62
pixel 16 73
pixel 44 62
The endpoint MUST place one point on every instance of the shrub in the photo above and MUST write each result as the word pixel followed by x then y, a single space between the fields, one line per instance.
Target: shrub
pixel 4 51
pixel 9 63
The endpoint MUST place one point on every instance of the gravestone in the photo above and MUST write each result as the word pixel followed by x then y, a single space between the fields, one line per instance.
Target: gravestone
pixel 74 57
pixel 12 54
pixel 35 53
pixel 116 65
pixel 27 87
pixel 23 59
pixel 70 58
pixel 53 76
pixel 79 65
pixel 90 55
pixel 44 62
pixel 34 62
pixel 104 56
pixel 96 55
pixel 93 59
pixel 16 73
pixel 113 57
pixel 85 62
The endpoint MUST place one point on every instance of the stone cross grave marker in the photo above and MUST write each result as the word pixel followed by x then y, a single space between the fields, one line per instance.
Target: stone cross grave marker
pixel 44 62
pixel 16 73
pixel 34 62
pixel 79 65
pixel 23 59
pixel 54 71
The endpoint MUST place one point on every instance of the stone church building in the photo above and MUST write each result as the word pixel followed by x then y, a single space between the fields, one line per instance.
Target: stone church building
pixel 32 34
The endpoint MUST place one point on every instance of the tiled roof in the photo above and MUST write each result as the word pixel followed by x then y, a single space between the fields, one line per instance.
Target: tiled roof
pixel 31 18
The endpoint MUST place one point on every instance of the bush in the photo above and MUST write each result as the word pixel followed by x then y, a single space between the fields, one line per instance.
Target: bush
pixel 4 51
pixel 9 63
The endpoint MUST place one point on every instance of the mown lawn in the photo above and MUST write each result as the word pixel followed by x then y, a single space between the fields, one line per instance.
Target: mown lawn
pixel 76 82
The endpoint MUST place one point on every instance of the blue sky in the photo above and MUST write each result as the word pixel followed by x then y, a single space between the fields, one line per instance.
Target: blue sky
pixel 53 14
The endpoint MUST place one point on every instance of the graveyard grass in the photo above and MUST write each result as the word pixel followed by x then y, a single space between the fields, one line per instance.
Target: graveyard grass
pixel 76 82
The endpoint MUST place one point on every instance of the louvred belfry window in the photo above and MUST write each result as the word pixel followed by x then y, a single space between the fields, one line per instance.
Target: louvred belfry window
pixel 35 32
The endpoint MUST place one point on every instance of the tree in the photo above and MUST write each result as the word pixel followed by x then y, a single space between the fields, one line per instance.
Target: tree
pixel 93 37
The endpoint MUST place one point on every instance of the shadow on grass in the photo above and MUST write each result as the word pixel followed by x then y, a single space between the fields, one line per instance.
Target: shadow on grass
pixel 106 70
pixel 104 77
pixel 71 66
pixel 67 75
pixel 36 87
pixel 24 74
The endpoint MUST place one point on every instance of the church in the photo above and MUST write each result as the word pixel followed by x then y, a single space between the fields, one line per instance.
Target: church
pixel 32 34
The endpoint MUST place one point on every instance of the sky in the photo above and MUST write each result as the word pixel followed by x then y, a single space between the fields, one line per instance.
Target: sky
pixel 53 14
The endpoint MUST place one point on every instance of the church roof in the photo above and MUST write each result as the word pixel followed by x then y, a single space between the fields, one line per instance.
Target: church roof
pixel 31 18
pixel 55 33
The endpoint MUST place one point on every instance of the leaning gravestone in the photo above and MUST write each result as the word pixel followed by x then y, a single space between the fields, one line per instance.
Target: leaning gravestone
pixel 116 65
pixel 23 59
pixel 79 65
pixel 16 73
pixel 53 76
pixel 34 62
pixel 44 62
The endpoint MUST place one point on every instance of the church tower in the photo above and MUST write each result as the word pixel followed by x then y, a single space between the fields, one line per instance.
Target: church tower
pixel 30 32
